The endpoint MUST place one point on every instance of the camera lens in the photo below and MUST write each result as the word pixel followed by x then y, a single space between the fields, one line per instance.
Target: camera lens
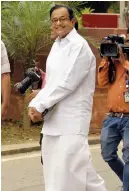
pixel 23 85
pixel 109 49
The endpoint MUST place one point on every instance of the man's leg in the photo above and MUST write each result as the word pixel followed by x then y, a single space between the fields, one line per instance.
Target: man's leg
pixel 94 181
pixel 125 135
pixel 66 163
pixel 110 139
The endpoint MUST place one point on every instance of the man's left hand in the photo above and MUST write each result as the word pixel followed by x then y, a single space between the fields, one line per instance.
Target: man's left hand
pixel 34 115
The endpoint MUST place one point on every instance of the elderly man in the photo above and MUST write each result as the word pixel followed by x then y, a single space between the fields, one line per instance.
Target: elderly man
pixel 69 89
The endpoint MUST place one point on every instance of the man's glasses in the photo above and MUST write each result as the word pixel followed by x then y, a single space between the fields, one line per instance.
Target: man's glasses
pixel 61 20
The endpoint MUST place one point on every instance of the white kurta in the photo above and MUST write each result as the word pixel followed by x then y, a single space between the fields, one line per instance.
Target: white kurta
pixel 70 85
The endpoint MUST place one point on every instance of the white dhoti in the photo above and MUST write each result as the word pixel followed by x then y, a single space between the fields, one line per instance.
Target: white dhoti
pixel 67 164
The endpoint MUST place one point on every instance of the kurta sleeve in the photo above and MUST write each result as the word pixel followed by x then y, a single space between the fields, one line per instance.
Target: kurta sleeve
pixel 79 60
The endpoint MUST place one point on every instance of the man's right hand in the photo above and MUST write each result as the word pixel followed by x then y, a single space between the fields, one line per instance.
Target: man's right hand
pixel 34 115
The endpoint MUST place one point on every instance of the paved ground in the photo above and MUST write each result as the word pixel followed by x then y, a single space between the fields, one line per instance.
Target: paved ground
pixel 34 146
pixel 23 172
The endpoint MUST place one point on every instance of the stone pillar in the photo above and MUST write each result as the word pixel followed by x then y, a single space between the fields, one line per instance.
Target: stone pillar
pixel 122 19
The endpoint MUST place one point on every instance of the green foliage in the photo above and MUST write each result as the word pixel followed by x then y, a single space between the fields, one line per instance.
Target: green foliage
pixel 75 5
pixel 114 7
pixel 87 10
pixel 83 11
pixel 25 28
pixel 98 6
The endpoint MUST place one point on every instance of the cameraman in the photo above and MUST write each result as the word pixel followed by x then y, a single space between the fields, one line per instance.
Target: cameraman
pixel 116 124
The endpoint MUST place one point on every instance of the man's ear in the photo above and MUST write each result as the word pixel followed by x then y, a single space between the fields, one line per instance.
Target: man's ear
pixel 73 21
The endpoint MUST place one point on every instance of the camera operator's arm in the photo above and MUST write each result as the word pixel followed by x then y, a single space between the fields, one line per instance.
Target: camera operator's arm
pixel 5 89
pixel 124 61
pixel 43 76
pixel 35 92
pixel 5 80
pixel 80 62
pixel 126 66
pixel 103 69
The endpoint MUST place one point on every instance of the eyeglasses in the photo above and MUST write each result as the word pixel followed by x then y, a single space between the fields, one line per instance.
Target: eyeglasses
pixel 61 20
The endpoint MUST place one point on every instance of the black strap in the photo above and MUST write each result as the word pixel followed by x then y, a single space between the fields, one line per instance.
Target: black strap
pixel 112 71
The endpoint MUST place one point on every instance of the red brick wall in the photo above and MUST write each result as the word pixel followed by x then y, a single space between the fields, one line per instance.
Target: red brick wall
pixel 100 20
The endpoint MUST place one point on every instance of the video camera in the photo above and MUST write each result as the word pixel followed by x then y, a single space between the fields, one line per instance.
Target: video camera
pixel 31 76
pixel 110 46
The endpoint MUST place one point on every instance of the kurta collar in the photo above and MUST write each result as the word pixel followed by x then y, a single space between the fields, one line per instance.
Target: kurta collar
pixel 69 37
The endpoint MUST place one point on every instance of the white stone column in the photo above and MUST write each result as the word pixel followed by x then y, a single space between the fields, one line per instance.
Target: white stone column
pixel 122 20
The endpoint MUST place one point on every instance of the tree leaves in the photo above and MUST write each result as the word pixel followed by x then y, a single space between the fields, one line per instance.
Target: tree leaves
pixel 25 28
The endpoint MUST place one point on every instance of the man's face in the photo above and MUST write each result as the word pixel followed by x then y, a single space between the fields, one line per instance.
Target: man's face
pixel 61 22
